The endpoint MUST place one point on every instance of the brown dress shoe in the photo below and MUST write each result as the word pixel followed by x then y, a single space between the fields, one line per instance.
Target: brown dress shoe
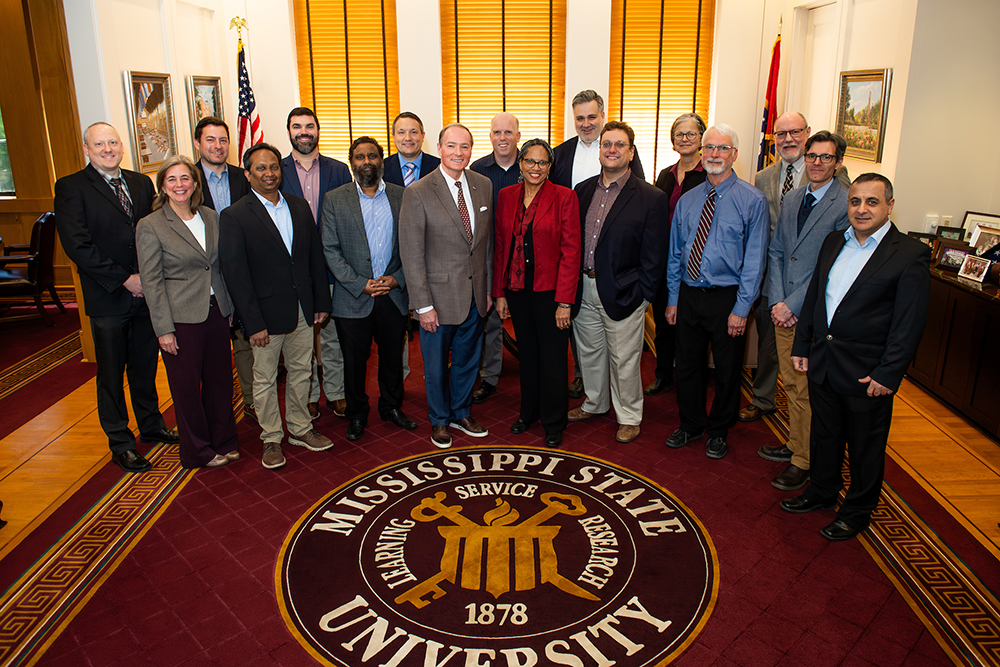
pixel 780 453
pixel 627 432
pixel 340 407
pixel 579 414
pixel 470 426
pixel 576 388
pixel 314 411
pixel 791 478
pixel 752 413
pixel 440 437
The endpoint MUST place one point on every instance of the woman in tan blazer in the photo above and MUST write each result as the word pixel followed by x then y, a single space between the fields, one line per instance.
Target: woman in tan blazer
pixel 191 312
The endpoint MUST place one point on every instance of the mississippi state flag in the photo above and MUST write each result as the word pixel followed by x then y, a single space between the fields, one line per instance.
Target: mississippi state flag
pixel 250 130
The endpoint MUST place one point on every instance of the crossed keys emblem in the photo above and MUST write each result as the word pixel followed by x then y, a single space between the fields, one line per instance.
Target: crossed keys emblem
pixel 498 532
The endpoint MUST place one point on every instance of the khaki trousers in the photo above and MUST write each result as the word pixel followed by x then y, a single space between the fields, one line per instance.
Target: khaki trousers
pixel 797 390
pixel 610 349
pixel 297 347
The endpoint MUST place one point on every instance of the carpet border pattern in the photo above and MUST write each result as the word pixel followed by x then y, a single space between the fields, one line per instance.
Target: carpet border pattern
pixel 26 371
pixel 39 606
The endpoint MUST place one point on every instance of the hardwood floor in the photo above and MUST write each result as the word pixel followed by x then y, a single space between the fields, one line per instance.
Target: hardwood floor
pixel 50 457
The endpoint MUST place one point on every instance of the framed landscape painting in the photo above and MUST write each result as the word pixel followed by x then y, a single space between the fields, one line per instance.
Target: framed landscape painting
pixel 861 111
pixel 204 98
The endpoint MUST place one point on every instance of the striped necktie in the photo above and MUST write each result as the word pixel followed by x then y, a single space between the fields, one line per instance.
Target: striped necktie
pixel 126 203
pixel 704 226
pixel 786 186
pixel 408 178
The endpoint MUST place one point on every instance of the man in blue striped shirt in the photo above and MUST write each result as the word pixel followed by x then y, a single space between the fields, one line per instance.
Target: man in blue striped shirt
pixel 360 226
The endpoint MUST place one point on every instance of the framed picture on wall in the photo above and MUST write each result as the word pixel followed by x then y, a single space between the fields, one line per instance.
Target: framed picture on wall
pixel 150 119
pixel 861 111
pixel 204 99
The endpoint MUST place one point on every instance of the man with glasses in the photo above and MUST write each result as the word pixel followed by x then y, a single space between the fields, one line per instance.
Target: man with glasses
pixel 500 166
pixel 718 246
pixel 812 212
pixel 790 133
pixel 623 224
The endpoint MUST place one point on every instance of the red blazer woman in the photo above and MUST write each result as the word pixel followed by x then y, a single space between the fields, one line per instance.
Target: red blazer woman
pixel 555 234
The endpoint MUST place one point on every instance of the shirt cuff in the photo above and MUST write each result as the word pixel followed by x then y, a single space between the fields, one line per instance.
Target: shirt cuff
pixel 427 309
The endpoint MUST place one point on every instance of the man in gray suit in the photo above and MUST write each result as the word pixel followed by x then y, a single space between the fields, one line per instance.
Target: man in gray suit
pixel 790 133
pixel 370 302
pixel 446 244
pixel 808 215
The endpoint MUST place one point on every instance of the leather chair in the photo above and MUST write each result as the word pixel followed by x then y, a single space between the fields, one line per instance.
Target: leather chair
pixel 28 276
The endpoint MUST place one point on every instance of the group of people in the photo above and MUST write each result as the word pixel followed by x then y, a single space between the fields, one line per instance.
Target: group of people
pixel 310 260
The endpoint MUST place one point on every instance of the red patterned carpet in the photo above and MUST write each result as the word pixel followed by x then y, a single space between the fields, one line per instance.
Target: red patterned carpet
pixel 197 587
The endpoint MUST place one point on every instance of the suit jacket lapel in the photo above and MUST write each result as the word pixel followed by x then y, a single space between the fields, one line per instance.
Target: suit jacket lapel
pixel 395 203
pixel 628 190
pixel 354 208
pixel 477 201
pixel 546 198
pixel 815 215
pixel 265 219
pixel 105 188
pixel 885 250
pixel 182 230
pixel 443 190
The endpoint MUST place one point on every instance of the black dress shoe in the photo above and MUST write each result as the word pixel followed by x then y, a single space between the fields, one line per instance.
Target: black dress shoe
pixel 801 505
pixel 483 392
pixel 679 438
pixel 791 478
pixel 656 386
pixel 519 426
pixel 355 429
pixel 553 439
pixel 716 448
pixel 130 461
pixel 161 435
pixel 839 531
pixel 397 418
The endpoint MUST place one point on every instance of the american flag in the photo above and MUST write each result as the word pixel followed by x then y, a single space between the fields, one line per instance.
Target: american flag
pixel 250 130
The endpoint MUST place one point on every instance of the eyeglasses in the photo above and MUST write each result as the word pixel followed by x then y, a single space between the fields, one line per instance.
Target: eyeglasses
pixel 711 148
pixel 687 135
pixel 794 133
pixel 825 158
pixel 536 163
pixel 620 145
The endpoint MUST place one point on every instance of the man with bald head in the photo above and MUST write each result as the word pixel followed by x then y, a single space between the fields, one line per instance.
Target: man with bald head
pixel 97 209
pixel 791 130
pixel 446 246
pixel 500 166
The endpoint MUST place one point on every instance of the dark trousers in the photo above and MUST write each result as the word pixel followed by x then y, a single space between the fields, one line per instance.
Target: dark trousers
pixel 201 383
pixel 541 349
pixel 703 318
pixel 862 424
pixel 386 326
pixel 126 344
pixel 449 390
pixel 765 379
pixel 665 337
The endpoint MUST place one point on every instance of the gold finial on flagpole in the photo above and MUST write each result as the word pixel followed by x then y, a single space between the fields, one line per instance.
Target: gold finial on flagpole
pixel 780 21
pixel 239 23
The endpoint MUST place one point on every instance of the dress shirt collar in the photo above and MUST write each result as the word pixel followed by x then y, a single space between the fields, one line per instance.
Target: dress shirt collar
pixel 877 237
pixel 797 166
pixel 722 188
pixel 362 193
pixel 819 193
pixel 620 181
pixel 267 203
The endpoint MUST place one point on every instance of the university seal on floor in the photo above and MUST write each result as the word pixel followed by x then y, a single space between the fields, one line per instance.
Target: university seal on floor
pixel 497 557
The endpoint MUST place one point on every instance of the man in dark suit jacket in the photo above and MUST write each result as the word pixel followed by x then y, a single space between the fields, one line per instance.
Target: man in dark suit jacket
pixel 97 209
pixel 812 212
pixel 623 221
pixel 589 117
pixel 223 184
pixel 273 264
pixel 307 174
pixel 446 244
pixel 408 137
pixel 370 302
pixel 860 325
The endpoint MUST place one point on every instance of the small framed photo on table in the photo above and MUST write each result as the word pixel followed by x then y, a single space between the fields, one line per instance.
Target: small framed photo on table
pixel 984 239
pixel 949 255
pixel 974 268
pixel 953 233
pixel 926 239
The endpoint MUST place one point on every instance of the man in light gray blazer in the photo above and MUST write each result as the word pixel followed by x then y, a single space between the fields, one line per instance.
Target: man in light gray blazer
pixel 808 215
pixel 359 226
pixel 787 173
pixel 446 244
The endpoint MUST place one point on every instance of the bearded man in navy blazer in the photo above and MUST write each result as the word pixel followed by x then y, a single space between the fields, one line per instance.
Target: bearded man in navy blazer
pixel 97 209
pixel 271 254
pixel 858 331
pixel 307 174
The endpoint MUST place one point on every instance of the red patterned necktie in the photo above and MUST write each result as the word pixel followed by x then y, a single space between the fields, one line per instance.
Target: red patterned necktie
pixel 704 225
pixel 116 183
pixel 463 212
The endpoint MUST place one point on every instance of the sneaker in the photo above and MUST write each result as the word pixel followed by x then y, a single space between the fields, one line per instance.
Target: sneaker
pixel 273 457
pixel 312 440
